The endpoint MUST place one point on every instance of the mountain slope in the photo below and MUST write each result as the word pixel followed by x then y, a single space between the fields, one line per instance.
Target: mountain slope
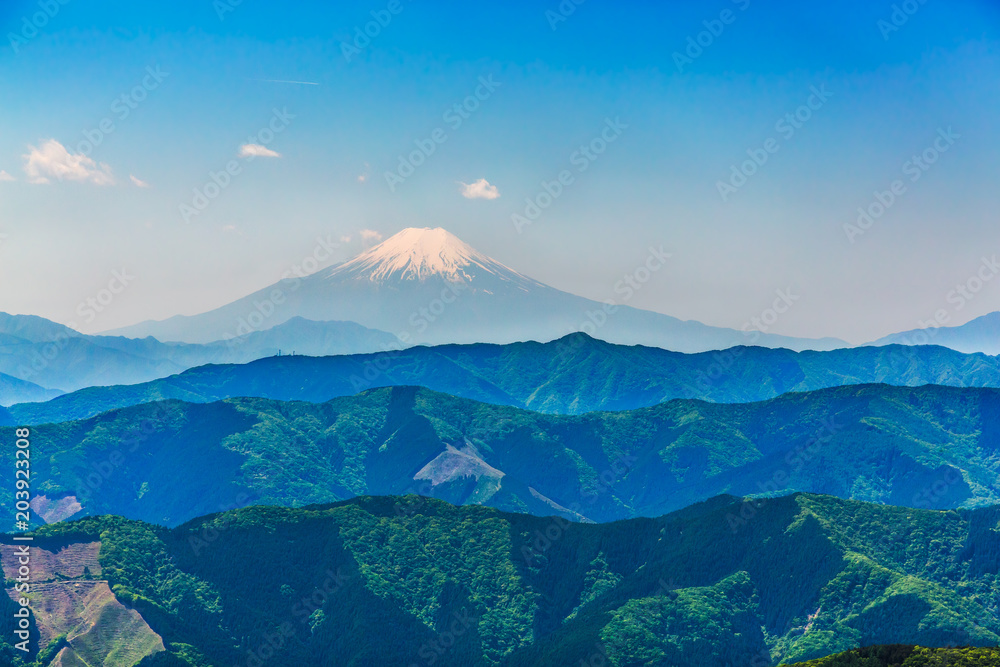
pixel 932 447
pixel 980 335
pixel 403 581
pixel 429 287
pixel 573 375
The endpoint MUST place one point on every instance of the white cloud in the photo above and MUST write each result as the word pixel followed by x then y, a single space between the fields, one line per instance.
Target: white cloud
pixel 53 161
pixel 480 189
pixel 139 183
pixel 370 235
pixel 5 177
pixel 256 150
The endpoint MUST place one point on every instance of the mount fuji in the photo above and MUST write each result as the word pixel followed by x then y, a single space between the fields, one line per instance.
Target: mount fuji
pixel 427 286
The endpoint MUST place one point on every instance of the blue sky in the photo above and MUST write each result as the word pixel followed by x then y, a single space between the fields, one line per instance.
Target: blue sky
pixel 890 93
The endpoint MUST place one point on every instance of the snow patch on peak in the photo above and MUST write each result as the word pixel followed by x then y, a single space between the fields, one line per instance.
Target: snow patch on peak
pixel 417 254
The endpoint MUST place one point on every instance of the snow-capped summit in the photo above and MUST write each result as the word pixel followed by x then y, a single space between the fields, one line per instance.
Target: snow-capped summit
pixel 417 254
pixel 426 286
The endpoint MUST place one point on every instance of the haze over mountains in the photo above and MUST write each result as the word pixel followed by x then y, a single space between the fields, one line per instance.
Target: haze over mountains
pixel 44 359
pixel 426 286
pixel 420 286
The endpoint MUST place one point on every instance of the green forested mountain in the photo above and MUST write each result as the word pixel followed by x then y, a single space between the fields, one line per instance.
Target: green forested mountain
pixel 931 447
pixel 910 656
pixel 412 581
pixel 573 375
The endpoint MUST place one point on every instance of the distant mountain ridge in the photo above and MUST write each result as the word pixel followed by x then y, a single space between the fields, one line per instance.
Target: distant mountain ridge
pixel 15 390
pixel 426 286
pixel 572 375
pixel 933 447
pixel 37 352
pixel 980 335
